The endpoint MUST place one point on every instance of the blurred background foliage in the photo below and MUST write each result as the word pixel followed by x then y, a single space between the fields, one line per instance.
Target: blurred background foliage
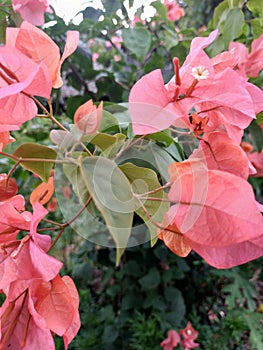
pixel 152 291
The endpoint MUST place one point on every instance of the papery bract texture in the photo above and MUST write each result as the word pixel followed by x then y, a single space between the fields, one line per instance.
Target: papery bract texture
pixel 5 139
pixel 87 117
pixel 24 329
pixel 32 10
pixel 75 325
pixel 218 151
pixel 43 192
pixel 8 187
pixel 12 217
pixel 20 79
pixel 201 84
pixel 15 257
pixel 38 46
pixel 256 159
pixel 215 209
pixel 54 304
pixel 171 341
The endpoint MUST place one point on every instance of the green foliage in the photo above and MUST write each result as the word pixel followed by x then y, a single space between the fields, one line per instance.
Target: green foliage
pixel 233 25
pixel 257 134
pixel 240 291
pixel 33 150
pixel 256 6
pixel 144 180
pixel 145 332
pixel 112 194
pixel 137 40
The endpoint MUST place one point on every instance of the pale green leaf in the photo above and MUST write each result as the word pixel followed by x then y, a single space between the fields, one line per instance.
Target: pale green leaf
pixel 40 167
pixel 256 6
pixel 144 180
pixel 233 26
pixel 113 196
pixel 137 40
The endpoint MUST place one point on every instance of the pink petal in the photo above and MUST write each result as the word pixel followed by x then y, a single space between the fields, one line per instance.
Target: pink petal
pixel 39 213
pixel 38 46
pixel 149 105
pixel 254 63
pixel 32 10
pixel 54 303
pixel 215 208
pixel 257 161
pixel 256 96
pixel 75 325
pixel 229 256
pixel 218 151
pixel 70 46
pixel 29 332
pixel 200 43
pixel 16 257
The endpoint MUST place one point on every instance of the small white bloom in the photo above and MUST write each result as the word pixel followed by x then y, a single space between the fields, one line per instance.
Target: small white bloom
pixel 200 73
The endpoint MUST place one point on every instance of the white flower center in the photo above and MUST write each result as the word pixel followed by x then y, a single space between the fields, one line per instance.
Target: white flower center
pixel 200 73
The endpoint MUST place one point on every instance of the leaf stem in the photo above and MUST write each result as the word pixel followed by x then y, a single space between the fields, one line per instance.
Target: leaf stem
pixel 68 223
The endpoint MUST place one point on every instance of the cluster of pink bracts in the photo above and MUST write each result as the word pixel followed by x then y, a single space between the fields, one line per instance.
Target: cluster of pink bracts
pixel 213 211
pixel 38 301
pixel 189 334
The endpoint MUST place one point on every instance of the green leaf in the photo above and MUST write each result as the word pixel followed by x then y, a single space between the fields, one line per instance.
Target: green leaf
pixel 256 26
pixel 254 323
pixel 257 135
pixel 162 136
pixel 144 180
pixel 108 122
pixel 6 11
pixel 233 26
pixel 93 14
pixel 113 196
pixel 137 40
pixel 149 155
pixel 260 118
pixel 220 13
pixel 39 167
pixel 256 6
pixel 170 37
pixel 161 9
pixel 88 225
pixel 240 290
pixel 109 144
pixel 111 6
pixel 151 280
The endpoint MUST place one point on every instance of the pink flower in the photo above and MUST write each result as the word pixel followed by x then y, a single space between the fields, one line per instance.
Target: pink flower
pixel 45 307
pixel 201 84
pixel 87 117
pixel 19 81
pixel 175 12
pixel 32 10
pixel 39 47
pixel 189 334
pixel 256 159
pixel 171 341
pixel 116 40
pixel 95 56
pixel 8 187
pixel 249 64
pixel 233 234
pixel 137 19
pixel 5 139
